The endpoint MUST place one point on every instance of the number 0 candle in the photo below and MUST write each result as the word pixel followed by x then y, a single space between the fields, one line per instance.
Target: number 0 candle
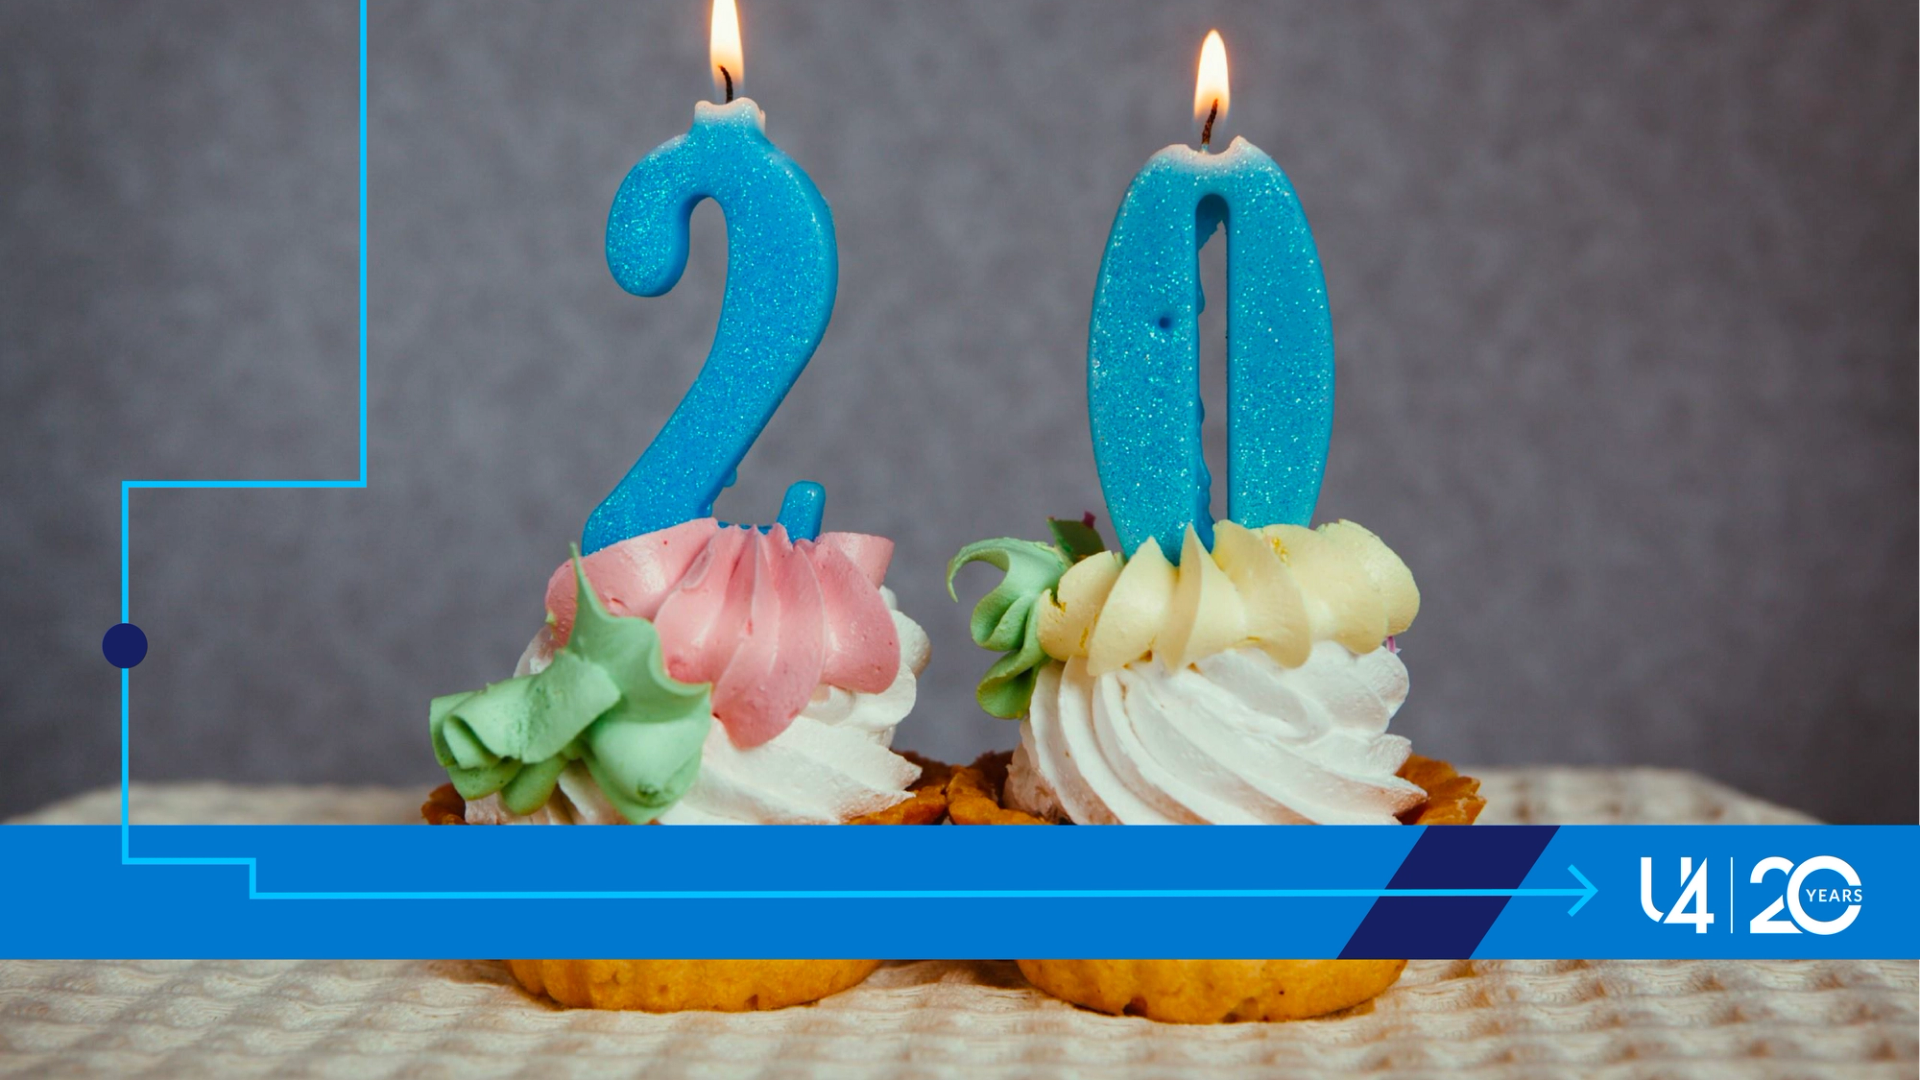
pixel 782 268
pixel 1143 348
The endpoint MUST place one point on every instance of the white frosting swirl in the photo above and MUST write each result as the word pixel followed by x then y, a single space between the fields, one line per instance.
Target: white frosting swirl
pixel 830 765
pixel 1236 738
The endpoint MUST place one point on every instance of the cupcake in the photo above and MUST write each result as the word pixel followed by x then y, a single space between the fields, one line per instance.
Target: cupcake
pixel 1252 683
pixel 701 674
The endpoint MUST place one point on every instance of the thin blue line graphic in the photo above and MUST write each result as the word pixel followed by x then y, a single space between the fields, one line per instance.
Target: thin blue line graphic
pixel 127 858
pixel 254 892
pixel 127 486
pixel 363 243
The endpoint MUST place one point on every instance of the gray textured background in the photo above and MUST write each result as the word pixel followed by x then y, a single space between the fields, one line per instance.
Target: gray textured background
pixel 1624 294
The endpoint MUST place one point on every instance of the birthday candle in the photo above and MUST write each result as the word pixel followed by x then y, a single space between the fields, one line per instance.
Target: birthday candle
pixel 782 268
pixel 1143 347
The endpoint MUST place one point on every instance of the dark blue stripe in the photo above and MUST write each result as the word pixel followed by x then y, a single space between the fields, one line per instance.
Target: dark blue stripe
pixel 1448 857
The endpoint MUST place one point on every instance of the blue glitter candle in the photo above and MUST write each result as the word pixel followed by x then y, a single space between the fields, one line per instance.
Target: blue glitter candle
pixel 1143 346
pixel 782 268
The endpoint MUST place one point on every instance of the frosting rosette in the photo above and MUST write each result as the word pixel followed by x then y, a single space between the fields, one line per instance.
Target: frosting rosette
pixel 763 619
pixel 604 705
pixel 831 763
pixel 1244 684
pixel 780 668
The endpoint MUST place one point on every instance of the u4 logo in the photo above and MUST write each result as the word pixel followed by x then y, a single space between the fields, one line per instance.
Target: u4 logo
pixel 1692 905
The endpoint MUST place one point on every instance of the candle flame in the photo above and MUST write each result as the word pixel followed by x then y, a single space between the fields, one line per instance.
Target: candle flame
pixel 724 51
pixel 1210 95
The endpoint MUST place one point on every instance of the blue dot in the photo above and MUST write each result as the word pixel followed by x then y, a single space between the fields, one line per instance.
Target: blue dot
pixel 125 645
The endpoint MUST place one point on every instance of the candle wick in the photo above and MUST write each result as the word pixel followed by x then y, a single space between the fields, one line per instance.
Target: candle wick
pixel 1206 129
pixel 728 76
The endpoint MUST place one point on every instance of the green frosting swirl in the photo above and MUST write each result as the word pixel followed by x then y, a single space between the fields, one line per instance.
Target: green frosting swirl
pixel 1006 619
pixel 605 700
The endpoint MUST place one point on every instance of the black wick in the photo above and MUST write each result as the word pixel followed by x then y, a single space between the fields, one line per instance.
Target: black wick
pixel 728 76
pixel 1206 129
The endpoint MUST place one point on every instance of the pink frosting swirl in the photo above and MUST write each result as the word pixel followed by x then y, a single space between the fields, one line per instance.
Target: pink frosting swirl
pixel 762 618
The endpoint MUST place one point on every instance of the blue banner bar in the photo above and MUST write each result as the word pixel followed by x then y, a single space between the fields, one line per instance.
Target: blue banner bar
pixel 1483 891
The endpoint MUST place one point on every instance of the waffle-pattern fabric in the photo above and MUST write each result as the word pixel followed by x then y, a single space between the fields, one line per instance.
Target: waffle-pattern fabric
pixel 938 1019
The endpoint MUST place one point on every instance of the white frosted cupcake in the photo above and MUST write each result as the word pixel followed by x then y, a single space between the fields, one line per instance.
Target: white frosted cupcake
pixel 1251 684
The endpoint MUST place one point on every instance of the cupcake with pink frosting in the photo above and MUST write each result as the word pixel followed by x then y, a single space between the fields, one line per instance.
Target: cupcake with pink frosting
pixel 700 674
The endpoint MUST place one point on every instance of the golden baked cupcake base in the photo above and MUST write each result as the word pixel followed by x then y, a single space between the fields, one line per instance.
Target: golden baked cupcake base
pixel 680 985
pixel 707 985
pixel 1214 991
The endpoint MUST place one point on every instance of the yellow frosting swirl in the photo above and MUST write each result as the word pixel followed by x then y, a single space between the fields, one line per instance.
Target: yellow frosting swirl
pixel 1279 589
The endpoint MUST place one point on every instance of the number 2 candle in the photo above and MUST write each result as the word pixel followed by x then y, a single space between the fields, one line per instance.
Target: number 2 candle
pixel 782 267
pixel 690 671
pixel 1143 348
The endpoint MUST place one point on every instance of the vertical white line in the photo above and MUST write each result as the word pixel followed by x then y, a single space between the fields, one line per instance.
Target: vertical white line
pixel 1729 894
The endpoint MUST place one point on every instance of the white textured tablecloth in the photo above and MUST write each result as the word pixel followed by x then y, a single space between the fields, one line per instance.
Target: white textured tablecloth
pixel 364 1020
